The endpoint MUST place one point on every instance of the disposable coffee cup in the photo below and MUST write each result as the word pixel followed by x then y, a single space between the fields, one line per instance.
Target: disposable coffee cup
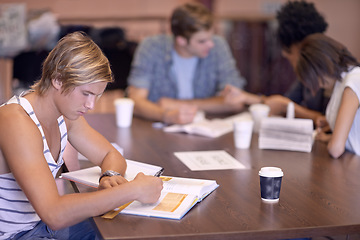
pixel 243 133
pixel 124 112
pixel 258 112
pixel 270 183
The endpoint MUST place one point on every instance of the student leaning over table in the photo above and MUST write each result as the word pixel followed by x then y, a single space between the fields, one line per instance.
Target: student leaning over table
pixel 325 63
pixel 34 129
pixel 174 76
pixel 296 20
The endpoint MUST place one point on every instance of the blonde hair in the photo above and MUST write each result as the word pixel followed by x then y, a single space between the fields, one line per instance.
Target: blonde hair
pixel 76 60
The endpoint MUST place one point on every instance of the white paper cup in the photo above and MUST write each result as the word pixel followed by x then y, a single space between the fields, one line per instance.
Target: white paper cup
pixel 243 133
pixel 124 112
pixel 258 112
pixel 270 183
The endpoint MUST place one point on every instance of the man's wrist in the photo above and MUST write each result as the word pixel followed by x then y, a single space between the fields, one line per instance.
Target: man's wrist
pixel 109 173
pixel 262 99
pixel 164 116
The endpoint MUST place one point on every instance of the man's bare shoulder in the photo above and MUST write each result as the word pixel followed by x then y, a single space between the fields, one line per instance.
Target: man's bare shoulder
pixel 14 125
pixel 12 112
pixel 14 119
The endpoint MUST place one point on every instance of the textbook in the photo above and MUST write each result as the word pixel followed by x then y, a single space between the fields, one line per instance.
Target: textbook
pixel 178 196
pixel 90 176
pixel 209 128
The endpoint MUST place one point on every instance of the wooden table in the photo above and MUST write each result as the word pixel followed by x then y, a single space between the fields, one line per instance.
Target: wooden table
pixel 320 196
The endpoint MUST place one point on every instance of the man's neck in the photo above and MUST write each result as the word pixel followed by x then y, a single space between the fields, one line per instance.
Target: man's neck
pixel 44 108
pixel 182 52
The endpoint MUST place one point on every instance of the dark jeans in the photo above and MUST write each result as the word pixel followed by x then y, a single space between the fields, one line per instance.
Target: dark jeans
pixel 83 231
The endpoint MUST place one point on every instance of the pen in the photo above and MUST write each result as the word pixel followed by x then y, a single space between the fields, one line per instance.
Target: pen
pixel 158 174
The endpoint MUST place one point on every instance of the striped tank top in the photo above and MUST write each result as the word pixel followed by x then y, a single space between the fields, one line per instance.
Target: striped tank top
pixel 16 212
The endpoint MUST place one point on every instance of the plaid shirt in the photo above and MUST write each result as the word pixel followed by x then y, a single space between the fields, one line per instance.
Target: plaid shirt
pixel 152 69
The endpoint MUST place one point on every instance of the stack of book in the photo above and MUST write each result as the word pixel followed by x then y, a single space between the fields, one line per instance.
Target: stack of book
pixel 286 134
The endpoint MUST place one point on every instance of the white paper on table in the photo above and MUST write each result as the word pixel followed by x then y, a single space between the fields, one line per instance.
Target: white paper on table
pixel 208 160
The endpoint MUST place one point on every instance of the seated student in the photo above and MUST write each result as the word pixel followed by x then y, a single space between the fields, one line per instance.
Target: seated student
pixel 173 77
pixel 296 20
pixel 324 63
pixel 34 129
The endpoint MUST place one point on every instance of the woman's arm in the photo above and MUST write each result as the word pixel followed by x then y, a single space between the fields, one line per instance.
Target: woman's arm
pixel 345 117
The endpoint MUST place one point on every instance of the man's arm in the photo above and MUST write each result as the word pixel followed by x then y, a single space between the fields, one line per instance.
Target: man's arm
pixel 179 114
pixel 97 149
pixel 215 105
pixel 278 105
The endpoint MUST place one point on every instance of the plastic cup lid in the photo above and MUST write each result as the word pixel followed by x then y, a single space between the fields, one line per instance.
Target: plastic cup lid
pixel 259 107
pixel 271 172
pixel 123 100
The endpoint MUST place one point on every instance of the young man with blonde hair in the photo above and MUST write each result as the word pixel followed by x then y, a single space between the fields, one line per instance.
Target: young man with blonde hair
pixel 34 130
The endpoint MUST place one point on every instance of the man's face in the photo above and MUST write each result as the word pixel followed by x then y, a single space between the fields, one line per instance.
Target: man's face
pixel 291 54
pixel 81 99
pixel 200 44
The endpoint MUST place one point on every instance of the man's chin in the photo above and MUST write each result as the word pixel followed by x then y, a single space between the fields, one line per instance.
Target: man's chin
pixel 204 55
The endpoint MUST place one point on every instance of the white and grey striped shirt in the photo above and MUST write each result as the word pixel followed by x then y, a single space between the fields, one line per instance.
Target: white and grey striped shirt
pixel 16 212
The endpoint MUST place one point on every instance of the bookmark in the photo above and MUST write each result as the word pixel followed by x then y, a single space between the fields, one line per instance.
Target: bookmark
pixel 111 214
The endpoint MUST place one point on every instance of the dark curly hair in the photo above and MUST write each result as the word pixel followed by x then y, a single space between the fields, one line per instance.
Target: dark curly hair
pixel 298 19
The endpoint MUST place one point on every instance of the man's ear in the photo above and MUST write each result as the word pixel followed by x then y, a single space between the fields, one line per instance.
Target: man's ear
pixel 57 84
pixel 181 41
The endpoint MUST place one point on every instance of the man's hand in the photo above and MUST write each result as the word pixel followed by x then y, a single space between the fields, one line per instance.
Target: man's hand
pixel 278 104
pixel 323 137
pixel 149 188
pixel 321 124
pixel 109 182
pixel 177 111
pixel 234 96
pixel 183 115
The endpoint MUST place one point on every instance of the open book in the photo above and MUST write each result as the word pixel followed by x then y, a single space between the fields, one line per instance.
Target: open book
pixel 90 176
pixel 178 196
pixel 209 128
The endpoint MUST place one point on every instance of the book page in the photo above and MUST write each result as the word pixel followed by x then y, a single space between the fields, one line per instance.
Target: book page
pixel 170 202
pixel 198 187
pixel 169 205
pixel 90 176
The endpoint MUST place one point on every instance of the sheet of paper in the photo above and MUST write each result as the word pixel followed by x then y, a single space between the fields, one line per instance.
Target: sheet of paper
pixel 208 160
